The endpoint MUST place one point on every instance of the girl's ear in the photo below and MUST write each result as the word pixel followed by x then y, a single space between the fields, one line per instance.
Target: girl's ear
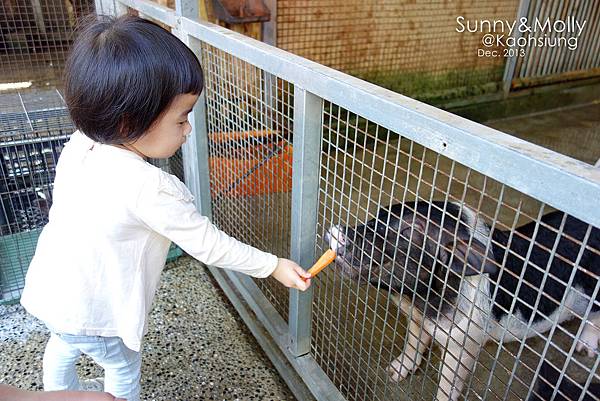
pixel 126 128
pixel 123 127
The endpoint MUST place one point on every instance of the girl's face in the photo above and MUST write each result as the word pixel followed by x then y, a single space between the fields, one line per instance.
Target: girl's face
pixel 169 132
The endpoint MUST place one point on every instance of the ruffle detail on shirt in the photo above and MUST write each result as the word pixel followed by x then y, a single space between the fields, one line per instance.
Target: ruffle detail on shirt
pixel 171 185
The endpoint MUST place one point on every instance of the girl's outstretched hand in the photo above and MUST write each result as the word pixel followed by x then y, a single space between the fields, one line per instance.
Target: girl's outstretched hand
pixel 291 275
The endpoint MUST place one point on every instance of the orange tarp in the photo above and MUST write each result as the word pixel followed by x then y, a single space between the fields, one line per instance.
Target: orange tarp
pixel 251 171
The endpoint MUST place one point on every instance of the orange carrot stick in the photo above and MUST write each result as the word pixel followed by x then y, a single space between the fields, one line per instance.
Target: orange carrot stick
pixel 322 263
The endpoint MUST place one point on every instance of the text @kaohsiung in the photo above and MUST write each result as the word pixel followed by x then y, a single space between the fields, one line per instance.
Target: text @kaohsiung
pixel 515 37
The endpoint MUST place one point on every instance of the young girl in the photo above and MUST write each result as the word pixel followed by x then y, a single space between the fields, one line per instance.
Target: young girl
pixel 129 88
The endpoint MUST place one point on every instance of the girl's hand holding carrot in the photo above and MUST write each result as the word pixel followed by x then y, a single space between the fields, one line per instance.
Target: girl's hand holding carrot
pixel 291 275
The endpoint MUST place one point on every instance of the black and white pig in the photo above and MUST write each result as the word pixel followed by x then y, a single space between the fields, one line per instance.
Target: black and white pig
pixel 462 283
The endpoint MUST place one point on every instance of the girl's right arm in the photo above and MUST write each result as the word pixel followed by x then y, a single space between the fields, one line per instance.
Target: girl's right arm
pixel 166 206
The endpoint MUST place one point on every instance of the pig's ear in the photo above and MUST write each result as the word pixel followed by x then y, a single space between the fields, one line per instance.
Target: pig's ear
pixel 404 231
pixel 413 228
pixel 469 260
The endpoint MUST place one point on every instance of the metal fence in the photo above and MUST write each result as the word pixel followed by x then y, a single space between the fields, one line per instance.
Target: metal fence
pixel 295 158
pixel 250 156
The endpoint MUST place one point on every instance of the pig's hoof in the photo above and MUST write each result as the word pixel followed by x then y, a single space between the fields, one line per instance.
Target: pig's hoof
pixel 589 340
pixel 401 367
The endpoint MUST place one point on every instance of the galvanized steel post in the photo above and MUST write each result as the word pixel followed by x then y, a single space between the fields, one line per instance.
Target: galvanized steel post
pixel 195 149
pixel 269 36
pixel 195 155
pixel 511 62
pixel 187 8
pixel 305 189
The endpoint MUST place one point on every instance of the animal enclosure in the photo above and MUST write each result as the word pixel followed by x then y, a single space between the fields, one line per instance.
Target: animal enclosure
pixel 294 158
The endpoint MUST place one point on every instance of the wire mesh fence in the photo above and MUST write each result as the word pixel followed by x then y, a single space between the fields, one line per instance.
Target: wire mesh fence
pixel 35 37
pixel 249 116
pixel 395 320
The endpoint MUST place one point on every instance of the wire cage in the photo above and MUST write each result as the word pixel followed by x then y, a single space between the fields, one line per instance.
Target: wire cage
pixel 27 170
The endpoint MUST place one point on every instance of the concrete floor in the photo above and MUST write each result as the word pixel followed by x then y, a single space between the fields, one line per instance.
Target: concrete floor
pixel 197 348
pixel 573 131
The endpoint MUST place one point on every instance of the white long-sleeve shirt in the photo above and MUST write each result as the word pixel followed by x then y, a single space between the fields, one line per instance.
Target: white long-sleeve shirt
pixel 99 258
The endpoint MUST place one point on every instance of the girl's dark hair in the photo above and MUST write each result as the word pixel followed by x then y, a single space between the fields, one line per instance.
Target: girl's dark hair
pixel 122 74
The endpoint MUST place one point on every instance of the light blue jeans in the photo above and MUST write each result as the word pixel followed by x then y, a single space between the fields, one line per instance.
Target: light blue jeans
pixel 122 366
